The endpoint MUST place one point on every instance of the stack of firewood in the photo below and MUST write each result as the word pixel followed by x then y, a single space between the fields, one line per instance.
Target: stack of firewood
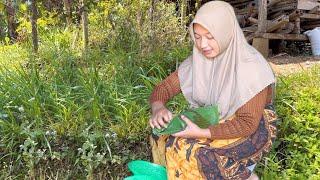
pixel 291 17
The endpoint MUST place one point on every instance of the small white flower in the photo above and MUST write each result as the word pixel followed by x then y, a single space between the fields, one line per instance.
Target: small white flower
pixel 3 115
pixel 21 109
pixel 31 99
pixel 114 135
pixel 28 2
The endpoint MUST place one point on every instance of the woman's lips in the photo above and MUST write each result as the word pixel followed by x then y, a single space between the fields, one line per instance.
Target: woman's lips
pixel 207 52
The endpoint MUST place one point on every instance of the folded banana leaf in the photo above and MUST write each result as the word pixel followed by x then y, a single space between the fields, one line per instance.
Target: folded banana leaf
pixel 202 116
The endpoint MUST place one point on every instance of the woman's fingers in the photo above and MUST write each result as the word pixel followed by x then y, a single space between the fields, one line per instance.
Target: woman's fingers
pixel 156 124
pixel 161 118
pixel 170 116
pixel 167 117
pixel 150 122
pixel 161 121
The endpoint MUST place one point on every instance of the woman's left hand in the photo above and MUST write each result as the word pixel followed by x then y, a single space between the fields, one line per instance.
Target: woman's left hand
pixel 192 130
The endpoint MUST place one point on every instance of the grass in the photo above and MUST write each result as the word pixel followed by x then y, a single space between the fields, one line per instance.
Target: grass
pixel 65 114
pixel 296 155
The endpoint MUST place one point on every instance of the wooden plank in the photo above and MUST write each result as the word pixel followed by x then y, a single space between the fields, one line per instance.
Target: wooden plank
pixel 251 29
pixel 314 10
pixel 310 16
pixel 277 23
pixel 253 20
pixel 273 2
pixel 262 45
pixel 250 37
pixel 307 4
pixel 295 37
pixel 288 28
pixel 310 26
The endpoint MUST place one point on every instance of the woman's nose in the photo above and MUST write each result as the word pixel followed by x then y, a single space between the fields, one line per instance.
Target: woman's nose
pixel 204 42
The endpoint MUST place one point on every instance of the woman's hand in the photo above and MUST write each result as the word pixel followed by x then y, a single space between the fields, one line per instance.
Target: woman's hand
pixel 160 115
pixel 192 130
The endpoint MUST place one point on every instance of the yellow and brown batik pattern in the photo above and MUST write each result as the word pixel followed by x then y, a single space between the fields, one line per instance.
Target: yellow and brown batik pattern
pixel 219 159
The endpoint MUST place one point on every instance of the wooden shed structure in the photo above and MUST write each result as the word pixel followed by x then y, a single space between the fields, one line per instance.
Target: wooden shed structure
pixel 262 20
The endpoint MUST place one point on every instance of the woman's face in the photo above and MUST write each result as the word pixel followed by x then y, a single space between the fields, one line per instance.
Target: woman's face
pixel 205 42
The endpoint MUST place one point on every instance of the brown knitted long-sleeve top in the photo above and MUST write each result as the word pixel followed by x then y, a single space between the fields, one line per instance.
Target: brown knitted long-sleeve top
pixel 244 123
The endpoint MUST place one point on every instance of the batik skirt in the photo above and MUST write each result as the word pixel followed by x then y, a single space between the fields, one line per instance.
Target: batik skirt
pixel 189 158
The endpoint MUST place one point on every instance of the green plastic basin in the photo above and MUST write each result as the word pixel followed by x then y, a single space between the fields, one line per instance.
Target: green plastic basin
pixel 144 170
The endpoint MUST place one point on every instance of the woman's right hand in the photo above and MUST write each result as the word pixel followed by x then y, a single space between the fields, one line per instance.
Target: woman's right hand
pixel 160 115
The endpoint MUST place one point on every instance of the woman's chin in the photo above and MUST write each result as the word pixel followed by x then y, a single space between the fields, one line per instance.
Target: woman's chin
pixel 211 55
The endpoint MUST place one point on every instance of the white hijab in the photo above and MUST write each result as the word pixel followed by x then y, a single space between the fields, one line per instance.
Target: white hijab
pixel 230 79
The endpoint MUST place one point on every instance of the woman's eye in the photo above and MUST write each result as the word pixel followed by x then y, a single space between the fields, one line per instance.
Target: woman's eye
pixel 197 37
pixel 210 37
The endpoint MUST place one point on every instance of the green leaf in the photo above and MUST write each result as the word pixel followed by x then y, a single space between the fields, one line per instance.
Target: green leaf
pixel 203 117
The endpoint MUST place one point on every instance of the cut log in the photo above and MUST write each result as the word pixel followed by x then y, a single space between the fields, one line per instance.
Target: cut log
pixel 283 8
pixel 271 3
pixel 295 37
pixel 288 28
pixel 253 20
pixel 252 28
pixel 310 16
pixel 275 14
pixel 277 23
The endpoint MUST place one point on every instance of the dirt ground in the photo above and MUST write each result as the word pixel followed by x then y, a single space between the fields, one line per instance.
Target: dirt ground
pixel 283 64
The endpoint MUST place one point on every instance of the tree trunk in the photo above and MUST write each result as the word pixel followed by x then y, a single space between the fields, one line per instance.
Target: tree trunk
pixel 11 20
pixel 1 29
pixel 67 6
pixel 183 11
pixel 84 18
pixel 33 20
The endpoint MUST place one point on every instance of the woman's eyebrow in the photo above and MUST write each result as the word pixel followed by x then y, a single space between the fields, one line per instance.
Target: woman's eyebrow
pixel 205 34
